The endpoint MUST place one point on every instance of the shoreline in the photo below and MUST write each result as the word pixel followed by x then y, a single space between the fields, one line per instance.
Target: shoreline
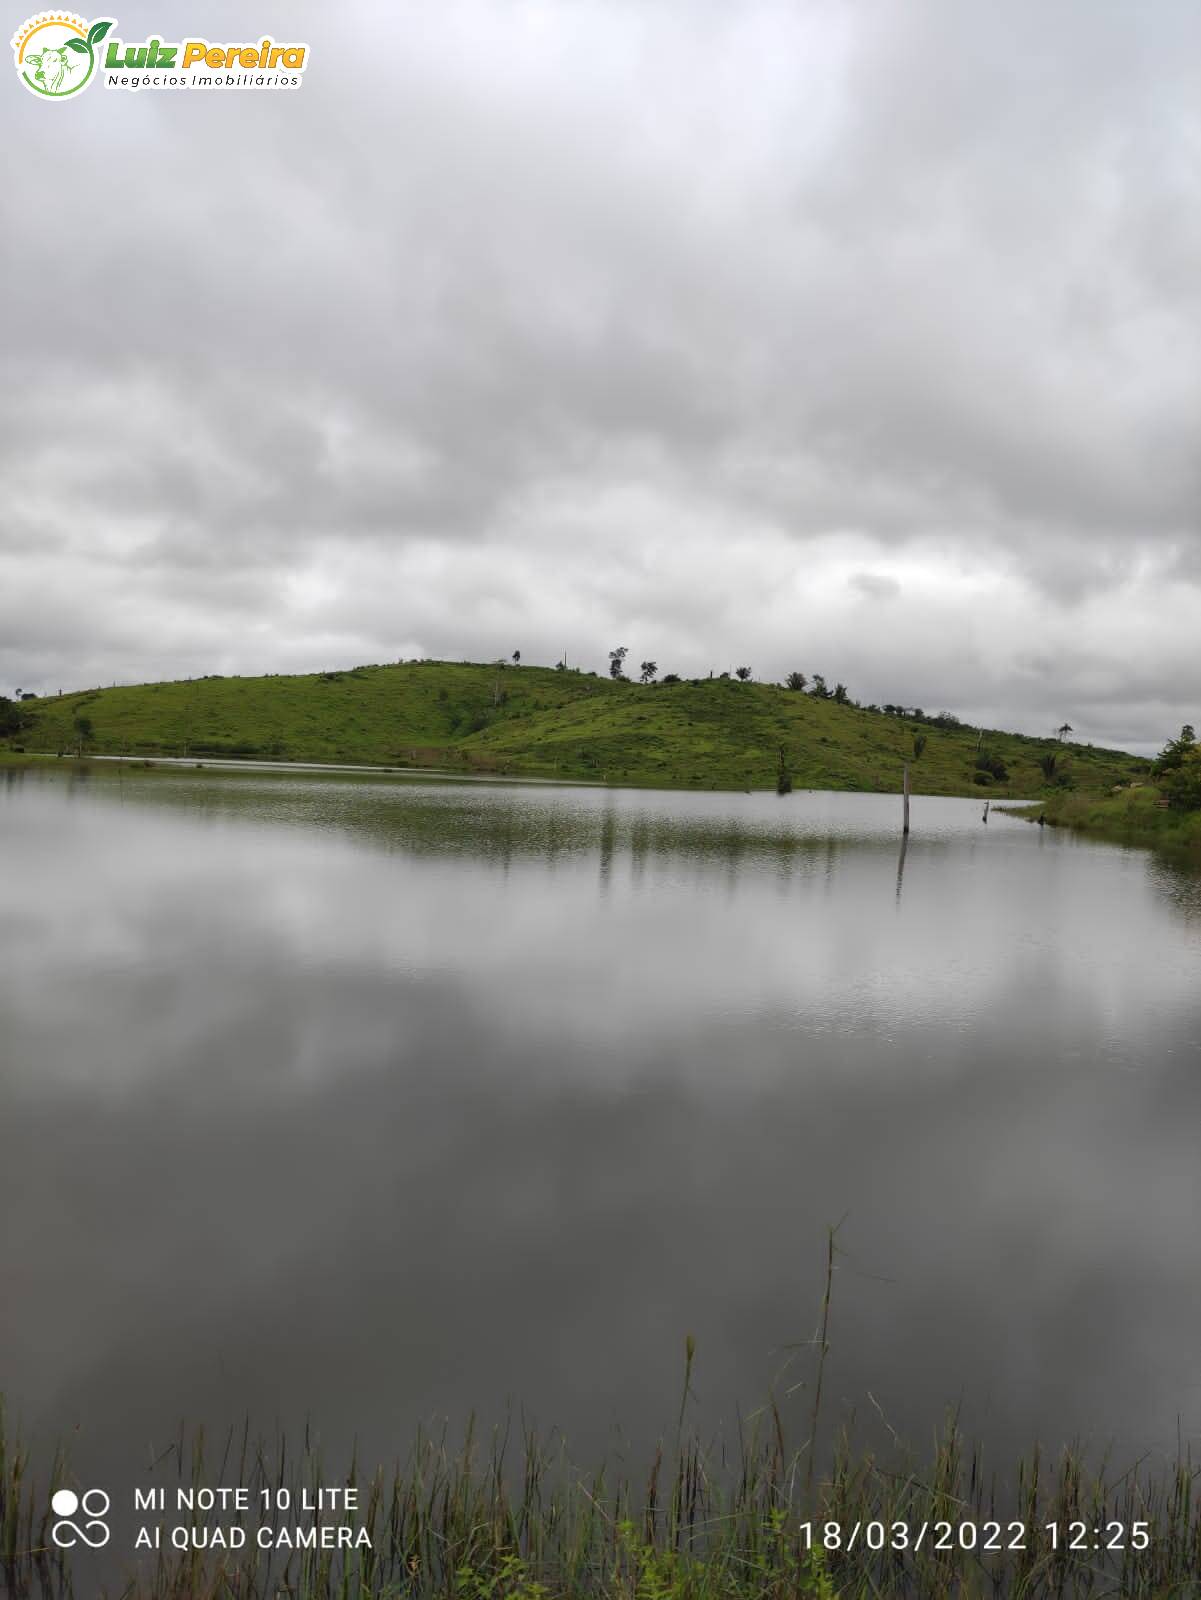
pixel 1134 817
pixel 142 765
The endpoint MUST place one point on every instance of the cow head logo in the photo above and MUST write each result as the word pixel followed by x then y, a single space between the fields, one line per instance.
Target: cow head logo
pixel 55 52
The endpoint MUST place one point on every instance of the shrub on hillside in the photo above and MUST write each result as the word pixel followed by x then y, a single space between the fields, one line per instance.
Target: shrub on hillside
pixel 1181 786
pixel 993 765
pixel 1177 771
pixel 12 719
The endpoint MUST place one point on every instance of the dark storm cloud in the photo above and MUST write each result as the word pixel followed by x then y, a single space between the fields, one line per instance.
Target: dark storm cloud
pixel 708 330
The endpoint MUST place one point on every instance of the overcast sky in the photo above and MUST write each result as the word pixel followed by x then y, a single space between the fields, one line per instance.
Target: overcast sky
pixel 861 338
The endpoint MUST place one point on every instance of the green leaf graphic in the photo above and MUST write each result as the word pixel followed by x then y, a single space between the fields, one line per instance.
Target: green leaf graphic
pixel 97 31
pixel 77 44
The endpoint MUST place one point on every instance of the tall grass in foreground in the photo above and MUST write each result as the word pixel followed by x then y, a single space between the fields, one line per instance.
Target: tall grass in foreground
pixel 499 1520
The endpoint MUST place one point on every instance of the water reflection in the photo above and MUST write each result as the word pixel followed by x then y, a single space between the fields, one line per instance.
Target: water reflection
pixel 372 1102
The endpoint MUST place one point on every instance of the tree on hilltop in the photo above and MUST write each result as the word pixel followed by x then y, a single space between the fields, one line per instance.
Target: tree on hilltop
pixel 1177 771
pixel 1176 751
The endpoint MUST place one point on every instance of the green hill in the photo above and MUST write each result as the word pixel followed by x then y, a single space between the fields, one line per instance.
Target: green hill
pixel 700 733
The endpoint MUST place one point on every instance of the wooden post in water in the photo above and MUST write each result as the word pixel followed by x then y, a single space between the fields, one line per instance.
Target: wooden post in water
pixel 905 791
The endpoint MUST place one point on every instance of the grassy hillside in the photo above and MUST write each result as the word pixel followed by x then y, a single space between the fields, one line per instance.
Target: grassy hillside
pixel 705 733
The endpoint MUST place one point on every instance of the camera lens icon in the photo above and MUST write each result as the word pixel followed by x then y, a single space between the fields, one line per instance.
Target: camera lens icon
pixel 94 1504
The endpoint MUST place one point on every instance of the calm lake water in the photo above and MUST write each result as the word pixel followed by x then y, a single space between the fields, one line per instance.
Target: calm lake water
pixel 377 1102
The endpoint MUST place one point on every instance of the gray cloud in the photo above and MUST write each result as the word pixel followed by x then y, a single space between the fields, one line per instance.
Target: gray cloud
pixel 700 329
pixel 875 585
